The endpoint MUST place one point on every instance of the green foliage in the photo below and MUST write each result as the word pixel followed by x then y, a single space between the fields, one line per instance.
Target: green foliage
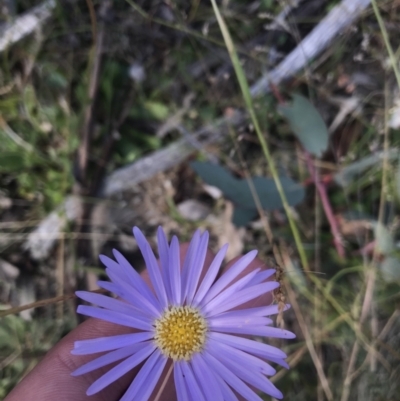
pixel 239 191
pixel 307 124
pixel 27 342
pixel 36 148
pixel 390 269
pixel 384 239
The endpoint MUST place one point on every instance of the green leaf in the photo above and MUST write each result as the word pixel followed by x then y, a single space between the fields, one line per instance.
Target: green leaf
pixel 58 80
pixel 307 124
pixel 29 98
pixel 12 161
pixel 157 110
pixel 384 239
pixel 215 175
pixel 241 216
pixel 9 107
pixel 239 193
pixel 390 269
pixel 269 195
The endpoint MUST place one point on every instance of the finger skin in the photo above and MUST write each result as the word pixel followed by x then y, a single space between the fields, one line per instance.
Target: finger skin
pixel 51 379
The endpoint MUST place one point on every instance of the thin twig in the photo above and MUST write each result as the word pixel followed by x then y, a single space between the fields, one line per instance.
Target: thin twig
pixel 263 217
pixel 14 136
pixel 164 383
pixel 43 302
pixel 395 315
pixel 337 238
pixel 93 20
pixel 309 342
pixel 60 277
pixel 93 86
pixel 386 39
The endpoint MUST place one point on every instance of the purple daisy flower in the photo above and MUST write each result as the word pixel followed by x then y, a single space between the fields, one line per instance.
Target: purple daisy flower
pixel 188 320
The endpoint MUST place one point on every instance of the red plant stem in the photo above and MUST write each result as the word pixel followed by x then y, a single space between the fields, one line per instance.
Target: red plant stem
pixel 325 179
pixel 337 238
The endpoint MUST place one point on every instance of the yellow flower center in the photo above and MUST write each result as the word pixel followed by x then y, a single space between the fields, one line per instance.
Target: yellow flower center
pixel 180 332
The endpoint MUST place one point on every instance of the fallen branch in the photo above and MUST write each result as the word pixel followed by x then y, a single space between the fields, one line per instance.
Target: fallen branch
pixel 339 18
pixel 43 302
pixel 148 166
pixel 25 24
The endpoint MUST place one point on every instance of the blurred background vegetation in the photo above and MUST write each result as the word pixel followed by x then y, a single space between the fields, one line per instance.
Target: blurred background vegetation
pixel 181 114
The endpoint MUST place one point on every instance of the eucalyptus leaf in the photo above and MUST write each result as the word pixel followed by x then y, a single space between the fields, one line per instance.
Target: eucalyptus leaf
pixel 241 216
pixel 307 124
pixel 215 175
pixel 269 195
pixel 239 192
pixel 384 239
pixel 390 269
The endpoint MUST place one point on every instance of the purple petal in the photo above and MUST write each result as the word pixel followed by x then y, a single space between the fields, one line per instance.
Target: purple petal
pixel 250 346
pixel 108 302
pixel 152 267
pixel 180 384
pixel 218 322
pixel 259 311
pixel 209 278
pixel 251 376
pixel 115 317
pixel 224 352
pixel 227 293
pixel 108 358
pixel 197 267
pixel 192 385
pixel 189 259
pixel 262 276
pixel 117 268
pixel 137 280
pixel 103 344
pixel 263 331
pixel 227 392
pixel 244 296
pixel 229 276
pixel 272 309
pixel 147 378
pixel 207 382
pixel 135 298
pixel 119 370
pixel 280 362
pixel 230 378
pixel 174 266
pixel 163 251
